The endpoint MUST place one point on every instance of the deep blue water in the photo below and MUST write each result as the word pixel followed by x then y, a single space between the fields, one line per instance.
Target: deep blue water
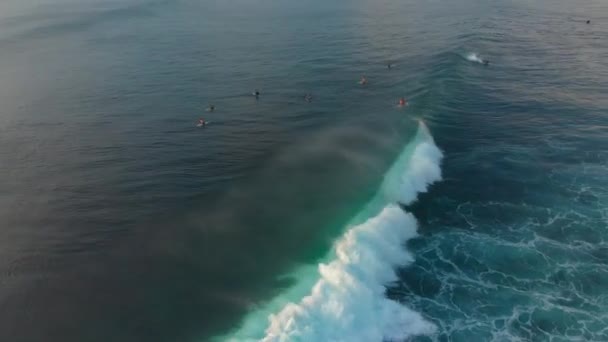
pixel 122 221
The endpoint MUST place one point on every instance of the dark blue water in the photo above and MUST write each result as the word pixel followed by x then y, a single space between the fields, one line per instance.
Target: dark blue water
pixel 120 220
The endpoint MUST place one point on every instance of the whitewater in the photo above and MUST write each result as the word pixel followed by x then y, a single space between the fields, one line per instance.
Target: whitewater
pixel 345 300
pixel 474 57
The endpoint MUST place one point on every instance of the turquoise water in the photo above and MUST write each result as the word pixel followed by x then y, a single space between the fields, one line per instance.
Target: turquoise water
pixel 476 213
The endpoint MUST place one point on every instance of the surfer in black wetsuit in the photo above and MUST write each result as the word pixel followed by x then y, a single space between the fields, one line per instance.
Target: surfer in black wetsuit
pixel 256 93
pixel 588 21
pixel 485 61
pixel 211 108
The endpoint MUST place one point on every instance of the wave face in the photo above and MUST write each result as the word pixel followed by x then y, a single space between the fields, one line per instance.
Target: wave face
pixel 348 301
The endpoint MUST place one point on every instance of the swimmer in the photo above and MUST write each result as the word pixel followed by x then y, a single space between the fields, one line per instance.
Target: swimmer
pixel 363 80
pixel 389 66
pixel 308 98
pixel 588 21
pixel 256 93
pixel 402 102
pixel 211 108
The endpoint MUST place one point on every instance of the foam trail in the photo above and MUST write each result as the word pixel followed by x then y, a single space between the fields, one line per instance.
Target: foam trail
pixel 473 57
pixel 347 303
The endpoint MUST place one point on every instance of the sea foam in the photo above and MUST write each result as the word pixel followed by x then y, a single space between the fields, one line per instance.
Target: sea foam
pixel 347 302
pixel 473 57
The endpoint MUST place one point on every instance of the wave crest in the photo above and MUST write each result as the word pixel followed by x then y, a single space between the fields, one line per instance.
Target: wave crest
pixel 348 301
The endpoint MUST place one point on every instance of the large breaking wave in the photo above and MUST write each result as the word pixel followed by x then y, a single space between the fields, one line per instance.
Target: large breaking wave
pixel 347 300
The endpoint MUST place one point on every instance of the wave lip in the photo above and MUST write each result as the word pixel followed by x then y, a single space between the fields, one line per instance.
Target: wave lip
pixel 348 301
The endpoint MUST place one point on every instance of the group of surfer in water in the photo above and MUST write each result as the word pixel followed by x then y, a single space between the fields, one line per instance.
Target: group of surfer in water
pixel 363 81
pixel 308 97
pixel 256 93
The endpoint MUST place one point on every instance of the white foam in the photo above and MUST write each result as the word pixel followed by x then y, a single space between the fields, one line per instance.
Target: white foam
pixel 347 303
pixel 415 170
pixel 473 57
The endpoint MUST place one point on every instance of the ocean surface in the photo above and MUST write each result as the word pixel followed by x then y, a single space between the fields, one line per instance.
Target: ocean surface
pixel 478 212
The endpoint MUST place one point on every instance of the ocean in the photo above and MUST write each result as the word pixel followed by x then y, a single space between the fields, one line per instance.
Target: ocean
pixel 477 212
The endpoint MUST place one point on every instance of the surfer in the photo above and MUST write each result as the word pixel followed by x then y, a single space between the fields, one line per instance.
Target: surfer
pixel 485 61
pixel 256 93
pixel 211 108
pixel 201 123
pixel 389 66
pixel 588 21
pixel 402 102
pixel 363 80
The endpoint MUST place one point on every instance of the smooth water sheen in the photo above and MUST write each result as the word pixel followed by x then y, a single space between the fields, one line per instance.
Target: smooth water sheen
pixel 479 212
